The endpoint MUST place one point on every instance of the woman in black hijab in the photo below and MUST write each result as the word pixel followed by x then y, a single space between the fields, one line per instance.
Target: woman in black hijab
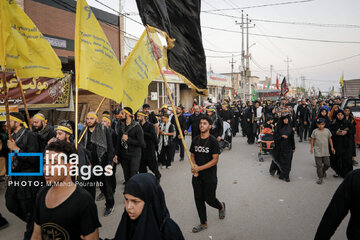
pixel 284 149
pixel 146 216
pixel 342 132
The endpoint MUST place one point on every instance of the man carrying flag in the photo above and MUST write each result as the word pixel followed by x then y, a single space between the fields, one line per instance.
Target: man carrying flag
pixel 20 200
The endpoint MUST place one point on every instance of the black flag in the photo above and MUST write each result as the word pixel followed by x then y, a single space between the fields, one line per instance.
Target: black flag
pixel 180 19
pixel 284 88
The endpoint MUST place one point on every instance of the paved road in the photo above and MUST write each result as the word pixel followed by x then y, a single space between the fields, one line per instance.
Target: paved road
pixel 259 207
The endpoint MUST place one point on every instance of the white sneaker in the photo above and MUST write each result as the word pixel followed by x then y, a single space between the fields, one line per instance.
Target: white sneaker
pixel 168 167
pixel 163 167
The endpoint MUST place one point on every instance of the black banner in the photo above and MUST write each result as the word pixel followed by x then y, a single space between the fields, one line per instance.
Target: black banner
pixel 181 21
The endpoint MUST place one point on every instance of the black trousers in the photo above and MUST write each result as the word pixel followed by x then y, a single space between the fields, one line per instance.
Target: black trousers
pixel 106 188
pixel 113 178
pixel 130 164
pixel 303 131
pixel 150 162
pixel 23 209
pixel 177 143
pixel 205 193
pixel 166 156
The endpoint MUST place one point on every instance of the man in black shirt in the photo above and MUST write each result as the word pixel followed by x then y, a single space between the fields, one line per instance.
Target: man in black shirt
pixel 177 140
pixel 226 114
pixel 345 199
pixel 194 121
pixel 47 132
pixel 98 141
pixel 20 199
pixel 151 118
pixel 148 157
pixel 302 116
pixel 115 122
pixel 217 123
pixel 129 143
pixel 106 122
pixel 64 210
pixel 205 152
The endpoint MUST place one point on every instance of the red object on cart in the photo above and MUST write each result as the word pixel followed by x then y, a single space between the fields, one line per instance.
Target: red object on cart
pixel 357 136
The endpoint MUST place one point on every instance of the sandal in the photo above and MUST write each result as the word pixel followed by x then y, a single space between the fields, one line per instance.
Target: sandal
pixel 222 213
pixel 198 228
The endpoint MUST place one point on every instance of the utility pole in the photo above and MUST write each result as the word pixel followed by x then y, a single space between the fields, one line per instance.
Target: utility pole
pixel 302 81
pixel 232 71
pixel 288 60
pixel 245 73
pixel 242 56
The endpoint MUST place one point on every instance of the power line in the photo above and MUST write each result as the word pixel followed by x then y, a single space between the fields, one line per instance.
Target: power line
pixel 236 55
pixel 119 12
pixel 73 9
pixel 323 64
pixel 210 50
pixel 258 6
pixel 334 25
pixel 283 37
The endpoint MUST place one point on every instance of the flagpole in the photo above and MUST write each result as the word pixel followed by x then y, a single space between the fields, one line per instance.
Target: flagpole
pixel 76 108
pixel 97 109
pixel 196 174
pixel 24 100
pixel 6 101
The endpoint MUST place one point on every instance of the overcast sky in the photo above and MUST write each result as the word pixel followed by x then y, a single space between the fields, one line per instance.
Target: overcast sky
pixel 274 51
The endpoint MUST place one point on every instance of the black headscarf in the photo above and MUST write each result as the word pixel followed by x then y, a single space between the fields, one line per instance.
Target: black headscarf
pixel 154 222
pixel 284 129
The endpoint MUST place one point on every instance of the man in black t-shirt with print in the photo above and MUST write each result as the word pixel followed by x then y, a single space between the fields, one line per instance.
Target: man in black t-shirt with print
pixel 205 152
pixel 65 210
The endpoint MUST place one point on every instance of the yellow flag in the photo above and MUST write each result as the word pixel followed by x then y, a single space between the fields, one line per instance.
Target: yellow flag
pixel 23 47
pixel 342 80
pixel 97 68
pixel 140 69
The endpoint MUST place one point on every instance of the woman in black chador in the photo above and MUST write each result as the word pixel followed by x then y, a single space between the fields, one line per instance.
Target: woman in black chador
pixel 342 132
pixel 146 216
pixel 284 149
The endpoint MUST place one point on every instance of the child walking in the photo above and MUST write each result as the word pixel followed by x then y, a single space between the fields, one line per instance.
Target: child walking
pixel 320 140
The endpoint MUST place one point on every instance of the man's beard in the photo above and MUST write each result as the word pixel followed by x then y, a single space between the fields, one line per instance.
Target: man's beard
pixel 91 126
pixel 38 129
pixel 13 129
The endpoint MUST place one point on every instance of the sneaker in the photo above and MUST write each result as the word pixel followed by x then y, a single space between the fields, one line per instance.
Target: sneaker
pixel 287 179
pixel 163 167
pixel 319 181
pixel 336 175
pixel 168 167
pixel 100 197
pixel 3 223
pixel 181 159
pixel 108 211
pixel 300 140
